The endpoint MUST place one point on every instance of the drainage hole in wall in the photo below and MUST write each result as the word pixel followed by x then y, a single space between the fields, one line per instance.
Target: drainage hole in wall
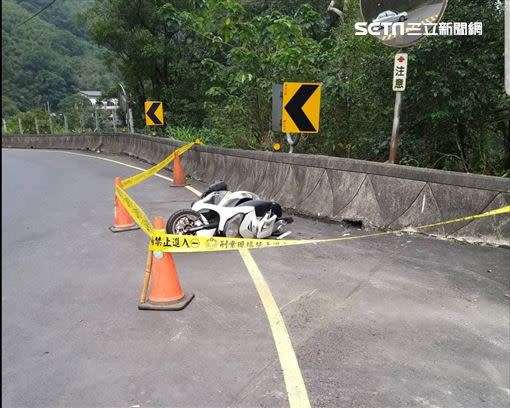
pixel 353 223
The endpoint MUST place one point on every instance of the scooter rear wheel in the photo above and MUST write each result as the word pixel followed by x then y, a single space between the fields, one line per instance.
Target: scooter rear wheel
pixel 181 221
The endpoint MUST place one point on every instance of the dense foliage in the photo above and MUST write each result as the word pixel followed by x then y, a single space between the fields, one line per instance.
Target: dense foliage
pixel 48 58
pixel 213 63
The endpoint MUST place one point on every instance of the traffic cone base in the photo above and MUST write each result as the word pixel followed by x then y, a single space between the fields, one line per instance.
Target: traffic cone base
pixel 174 305
pixel 114 228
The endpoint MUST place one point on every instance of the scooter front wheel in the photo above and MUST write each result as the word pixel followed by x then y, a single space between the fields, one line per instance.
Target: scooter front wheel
pixel 180 222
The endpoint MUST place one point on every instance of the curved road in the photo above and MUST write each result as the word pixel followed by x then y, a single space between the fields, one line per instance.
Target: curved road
pixel 395 321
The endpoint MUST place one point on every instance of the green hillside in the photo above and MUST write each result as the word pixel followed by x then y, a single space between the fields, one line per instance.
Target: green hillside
pixel 62 14
pixel 47 58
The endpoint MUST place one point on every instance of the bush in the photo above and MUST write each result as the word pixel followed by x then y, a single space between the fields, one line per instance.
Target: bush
pixel 207 136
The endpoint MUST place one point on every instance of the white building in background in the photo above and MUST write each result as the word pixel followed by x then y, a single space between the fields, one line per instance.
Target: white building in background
pixel 92 96
pixel 111 105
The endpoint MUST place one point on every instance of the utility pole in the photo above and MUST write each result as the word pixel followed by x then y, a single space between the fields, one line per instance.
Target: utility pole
pixel 36 126
pixel 130 119
pixel 20 126
pixel 4 124
pixel 114 116
pixel 66 129
pixel 124 104
pixel 127 110
pixel 82 122
pixel 97 121
pixel 50 123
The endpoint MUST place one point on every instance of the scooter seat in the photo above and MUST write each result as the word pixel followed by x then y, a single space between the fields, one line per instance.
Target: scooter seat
pixel 262 207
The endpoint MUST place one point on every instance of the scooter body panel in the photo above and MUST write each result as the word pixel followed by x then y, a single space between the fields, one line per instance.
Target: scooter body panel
pixel 225 205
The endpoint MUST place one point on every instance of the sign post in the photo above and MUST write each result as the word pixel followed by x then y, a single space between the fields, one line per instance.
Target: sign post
pixel 412 17
pixel 399 85
pixel 396 128
pixel 277 107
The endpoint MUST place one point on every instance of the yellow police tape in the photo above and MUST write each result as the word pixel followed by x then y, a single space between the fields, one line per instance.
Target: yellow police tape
pixel 138 178
pixel 189 243
pixel 162 242
pixel 134 210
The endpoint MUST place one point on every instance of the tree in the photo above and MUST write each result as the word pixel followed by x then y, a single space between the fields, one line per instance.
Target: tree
pixel 213 63
pixel 79 111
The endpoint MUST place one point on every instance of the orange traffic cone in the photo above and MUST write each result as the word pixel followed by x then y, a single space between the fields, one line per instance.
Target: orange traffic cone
pixel 166 292
pixel 122 220
pixel 179 176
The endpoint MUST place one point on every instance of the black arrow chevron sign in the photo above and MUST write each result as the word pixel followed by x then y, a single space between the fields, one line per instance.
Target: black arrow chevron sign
pixel 153 113
pixel 301 107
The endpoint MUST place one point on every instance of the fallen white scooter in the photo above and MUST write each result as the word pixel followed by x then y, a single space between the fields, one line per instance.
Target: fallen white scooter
pixel 220 212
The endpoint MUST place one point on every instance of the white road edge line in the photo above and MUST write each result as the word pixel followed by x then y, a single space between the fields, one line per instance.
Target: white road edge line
pixel 294 383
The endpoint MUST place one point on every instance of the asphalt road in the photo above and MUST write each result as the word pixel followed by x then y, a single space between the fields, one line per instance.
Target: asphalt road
pixel 394 321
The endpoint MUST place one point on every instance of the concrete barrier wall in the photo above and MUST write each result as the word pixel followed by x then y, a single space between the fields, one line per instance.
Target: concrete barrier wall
pixel 377 194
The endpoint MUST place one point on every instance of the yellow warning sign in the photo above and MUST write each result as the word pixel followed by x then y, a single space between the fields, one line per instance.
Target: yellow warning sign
pixel 301 107
pixel 154 113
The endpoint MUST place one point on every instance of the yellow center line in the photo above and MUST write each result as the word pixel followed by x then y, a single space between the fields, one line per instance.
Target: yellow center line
pixel 294 383
pixel 193 190
pixel 296 389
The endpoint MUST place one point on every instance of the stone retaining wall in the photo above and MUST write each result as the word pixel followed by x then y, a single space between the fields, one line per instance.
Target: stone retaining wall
pixel 377 194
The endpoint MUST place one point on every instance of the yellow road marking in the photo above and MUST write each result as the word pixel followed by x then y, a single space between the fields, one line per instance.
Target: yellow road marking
pixel 193 190
pixel 296 389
